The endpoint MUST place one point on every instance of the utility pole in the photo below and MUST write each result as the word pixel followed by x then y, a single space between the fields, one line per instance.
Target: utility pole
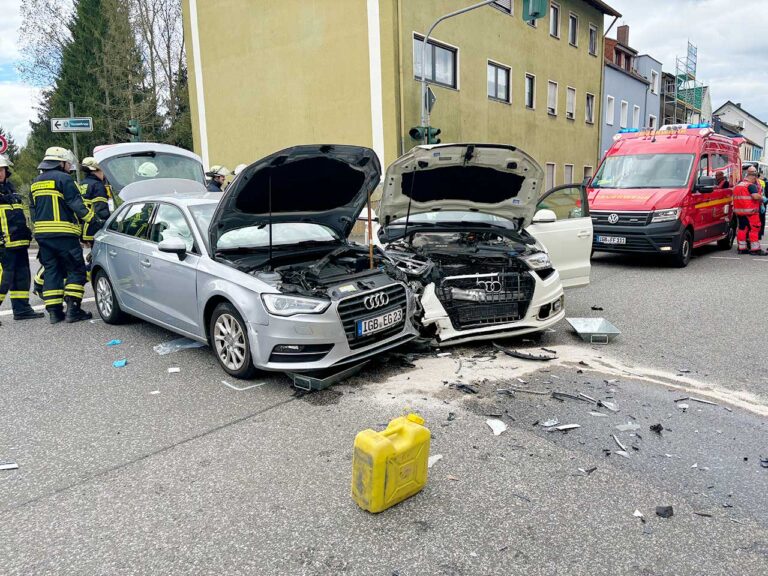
pixel 74 143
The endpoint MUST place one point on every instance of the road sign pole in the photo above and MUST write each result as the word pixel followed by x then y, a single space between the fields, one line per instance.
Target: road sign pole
pixel 74 143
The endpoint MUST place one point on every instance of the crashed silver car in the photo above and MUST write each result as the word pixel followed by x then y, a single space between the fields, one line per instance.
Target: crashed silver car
pixel 264 272
pixel 487 252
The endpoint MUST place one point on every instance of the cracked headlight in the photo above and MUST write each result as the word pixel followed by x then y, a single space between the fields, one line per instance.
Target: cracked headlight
pixel 281 305
pixel 538 261
pixel 665 215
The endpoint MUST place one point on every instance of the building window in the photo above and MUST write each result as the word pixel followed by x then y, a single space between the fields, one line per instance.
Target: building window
pixel 636 117
pixel 573 29
pixel 441 62
pixel 498 82
pixel 570 103
pixel 589 115
pixel 592 40
pixel 550 177
pixel 654 82
pixel 610 112
pixel 530 91
pixel 568 174
pixel 624 114
pixel 618 58
pixel 532 23
pixel 503 5
pixel 554 20
pixel 652 121
pixel 552 98
pixel 587 172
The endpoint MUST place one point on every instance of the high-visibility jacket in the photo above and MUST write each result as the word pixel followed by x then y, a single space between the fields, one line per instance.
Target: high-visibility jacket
pixel 13 224
pixel 56 207
pixel 743 203
pixel 96 199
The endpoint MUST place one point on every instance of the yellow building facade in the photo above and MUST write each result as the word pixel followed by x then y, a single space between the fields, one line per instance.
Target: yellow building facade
pixel 267 74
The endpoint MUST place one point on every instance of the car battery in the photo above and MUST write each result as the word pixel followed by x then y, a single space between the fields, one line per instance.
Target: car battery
pixel 391 465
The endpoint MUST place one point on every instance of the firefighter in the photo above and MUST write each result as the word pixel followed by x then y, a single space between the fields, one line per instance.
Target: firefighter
pixel 217 174
pixel 95 197
pixel 747 197
pixel 15 276
pixel 58 211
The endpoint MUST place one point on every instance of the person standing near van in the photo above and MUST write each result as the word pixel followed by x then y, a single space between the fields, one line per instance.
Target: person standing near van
pixel 747 199
pixel 763 205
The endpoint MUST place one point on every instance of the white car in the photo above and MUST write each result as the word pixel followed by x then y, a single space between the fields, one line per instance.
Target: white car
pixel 487 251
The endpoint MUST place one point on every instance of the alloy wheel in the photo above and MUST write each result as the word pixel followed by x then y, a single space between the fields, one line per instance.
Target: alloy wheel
pixel 104 297
pixel 229 340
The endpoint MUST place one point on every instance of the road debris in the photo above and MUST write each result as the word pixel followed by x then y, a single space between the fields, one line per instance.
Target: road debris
pixel 664 511
pixel 562 396
pixel 587 471
pixel 623 453
pixel 497 426
pixel 8 465
pixel 582 363
pixel 525 355
pixel 520 496
pixel 114 343
pixel 176 345
pixel 586 397
pixel 452 478
pixel 241 389
pixel 628 427
pixel 443 354
pixel 550 423
pixel 607 405
pixel 683 406
pixel 432 460
pixel 511 390
pixel 704 514
pixel 763 462
pixel 174 370
pixel 657 428
pixel 155 392
pixel 684 370
pixel 638 514
pixel 451 416
pixel 566 427
pixel 466 388
pixel 120 363
pixel 597 308
pixel 599 414
pixel 611 381
pixel 702 401
pixel 618 443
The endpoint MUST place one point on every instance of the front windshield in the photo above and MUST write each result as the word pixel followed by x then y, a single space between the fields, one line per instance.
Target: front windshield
pixel 283 233
pixel 456 216
pixel 644 171
pixel 124 170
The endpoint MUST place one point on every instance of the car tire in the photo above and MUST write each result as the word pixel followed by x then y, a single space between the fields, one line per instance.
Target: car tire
pixel 229 341
pixel 683 256
pixel 727 242
pixel 106 300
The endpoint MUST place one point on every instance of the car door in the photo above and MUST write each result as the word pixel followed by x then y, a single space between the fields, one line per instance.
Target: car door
pixel 129 233
pixel 567 238
pixel 170 281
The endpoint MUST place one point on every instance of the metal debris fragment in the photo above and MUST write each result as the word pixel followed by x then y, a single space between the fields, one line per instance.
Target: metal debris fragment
pixel 623 453
pixel 684 370
pixel 618 443
pixel 523 390
pixel 8 465
pixel 702 401
pixel 521 497
pixel 566 427
pixel 174 370
pixel 608 405
pixel 704 514
pixel 525 355
pixel 597 308
pixel 550 423
pixel 565 396
pixel 586 397
pixel 763 462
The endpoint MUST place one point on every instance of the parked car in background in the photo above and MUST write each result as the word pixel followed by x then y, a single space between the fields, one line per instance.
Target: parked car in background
pixel 487 252
pixel 263 272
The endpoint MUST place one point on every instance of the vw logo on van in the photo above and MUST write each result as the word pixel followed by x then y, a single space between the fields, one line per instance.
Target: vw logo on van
pixel 377 300
pixel 613 218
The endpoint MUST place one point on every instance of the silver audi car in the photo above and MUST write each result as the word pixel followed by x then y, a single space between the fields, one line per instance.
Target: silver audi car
pixel 264 272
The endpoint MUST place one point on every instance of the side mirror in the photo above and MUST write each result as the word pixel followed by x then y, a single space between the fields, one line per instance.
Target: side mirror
pixel 544 217
pixel 173 245
pixel 705 184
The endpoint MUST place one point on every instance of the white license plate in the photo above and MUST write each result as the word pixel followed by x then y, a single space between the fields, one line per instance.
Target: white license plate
pixel 611 240
pixel 379 323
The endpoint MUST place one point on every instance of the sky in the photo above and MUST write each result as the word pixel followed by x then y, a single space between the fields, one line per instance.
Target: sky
pixel 731 38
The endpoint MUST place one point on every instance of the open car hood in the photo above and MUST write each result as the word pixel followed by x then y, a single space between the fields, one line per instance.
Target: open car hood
pixel 320 184
pixel 494 179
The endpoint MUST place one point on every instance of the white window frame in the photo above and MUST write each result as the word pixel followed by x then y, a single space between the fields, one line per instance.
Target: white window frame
pixel 587 119
pixel 653 121
pixel 635 116
pixel 654 82
pixel 557 96
pixel 571 18
pixel 555 6
pixel 593 28
pixel 565 172
pixel 570 114
pixel 500 66
pixel 440 44
pixel 624 114
pixel 533 100
pixel 610 107
pixel 546 175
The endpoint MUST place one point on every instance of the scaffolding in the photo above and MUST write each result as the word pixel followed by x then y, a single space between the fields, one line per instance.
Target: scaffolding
pixel 683 94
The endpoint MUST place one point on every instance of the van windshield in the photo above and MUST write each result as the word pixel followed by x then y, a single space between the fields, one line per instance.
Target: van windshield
pixel 644 171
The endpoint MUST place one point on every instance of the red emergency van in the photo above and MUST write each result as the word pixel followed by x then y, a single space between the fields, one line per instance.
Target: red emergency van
pixel 656 192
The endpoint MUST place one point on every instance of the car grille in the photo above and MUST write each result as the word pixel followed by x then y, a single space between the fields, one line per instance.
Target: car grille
pixel 507 304
pixel 353 309
pixel 639 218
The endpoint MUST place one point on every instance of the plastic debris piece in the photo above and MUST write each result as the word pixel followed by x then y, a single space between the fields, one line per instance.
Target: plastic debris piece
pixel 587 471
pixel 176 345
pixel 599 414
pixel 466 388
pixel 174 370
pixel 550 423
pixel 443 354
pixel 567 427
pixel 565 396
pixel 155 392
pixel 611 381
pixel 525 355
pixel 114 343
pixel 597 308
pixel 623 453
pixel 608 405
pixel 8 465
pixel 684 370
pixel 120 363
pixel 696 465
pixel 628 427
pixel 704 514
pixel 525 391
pixel 664 511
pixel 638 514
pixel 683 406
pixel 587 397
pixel 432 460
pixel 702 401
pixel 496 425
pixel 619 444
pixel 657 428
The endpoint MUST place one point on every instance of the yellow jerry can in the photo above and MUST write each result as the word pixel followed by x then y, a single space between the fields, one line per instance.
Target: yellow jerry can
pixel 390 466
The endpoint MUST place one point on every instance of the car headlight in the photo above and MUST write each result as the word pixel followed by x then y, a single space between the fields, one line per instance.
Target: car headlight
pixel 281 305
pixel 538 261
pixel 665 215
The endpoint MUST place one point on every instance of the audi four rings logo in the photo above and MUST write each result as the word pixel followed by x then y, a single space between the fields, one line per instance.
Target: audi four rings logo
pixel 376 300
pixel 492 286
pixel 613 218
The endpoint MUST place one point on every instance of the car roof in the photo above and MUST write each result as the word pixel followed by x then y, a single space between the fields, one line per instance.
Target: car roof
pixel 107 151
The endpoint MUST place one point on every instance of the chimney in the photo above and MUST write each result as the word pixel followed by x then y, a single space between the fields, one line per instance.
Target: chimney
pixel 622 34
pixel 738 104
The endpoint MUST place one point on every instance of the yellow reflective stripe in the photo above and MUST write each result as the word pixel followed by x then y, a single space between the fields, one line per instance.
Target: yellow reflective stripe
pixel 50 193
pixel 17 244
pixel 99 199
pixel 47 226
pixel 2 297
pixel 19 294
pixel 43 185
pixel 74 294
pixel 74 287
pixel 83 188
pixel 56 211
pixel 713 203
pixel 53 293
pixel 54 301
pixel 5 207
pixel 39 276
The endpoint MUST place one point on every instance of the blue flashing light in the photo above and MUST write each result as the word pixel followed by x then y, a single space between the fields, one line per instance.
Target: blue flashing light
pixel 629 130
pixel 701 125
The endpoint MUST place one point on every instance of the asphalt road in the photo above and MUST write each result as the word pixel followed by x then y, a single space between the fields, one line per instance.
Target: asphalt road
pixel 139 471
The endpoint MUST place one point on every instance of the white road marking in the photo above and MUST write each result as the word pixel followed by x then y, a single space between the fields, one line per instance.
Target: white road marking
pixel 724 258
pixel 41 307
pixel 243 388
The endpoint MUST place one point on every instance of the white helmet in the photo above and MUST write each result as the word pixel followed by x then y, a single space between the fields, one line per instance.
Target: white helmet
pixel 218 171
pixel 239 168
pixel 148 170
pixel 5 162
pixel 58 154
pixel 90 164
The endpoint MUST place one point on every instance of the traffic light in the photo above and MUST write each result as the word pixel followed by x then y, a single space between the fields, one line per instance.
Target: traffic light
pixel 134 129
pixel 432 135
pixel 417 133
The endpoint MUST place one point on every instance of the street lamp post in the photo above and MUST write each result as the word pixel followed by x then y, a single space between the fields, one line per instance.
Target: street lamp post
pixel 424 109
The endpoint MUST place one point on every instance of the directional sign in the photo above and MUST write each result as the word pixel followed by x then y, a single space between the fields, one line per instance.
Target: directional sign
pixel 431 99
pixel 72 124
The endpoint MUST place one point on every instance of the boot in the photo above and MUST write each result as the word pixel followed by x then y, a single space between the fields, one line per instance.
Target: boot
pixel 742 251
pixel 758 253
pixel 74 312
pixel 55 314
pixel 27 314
